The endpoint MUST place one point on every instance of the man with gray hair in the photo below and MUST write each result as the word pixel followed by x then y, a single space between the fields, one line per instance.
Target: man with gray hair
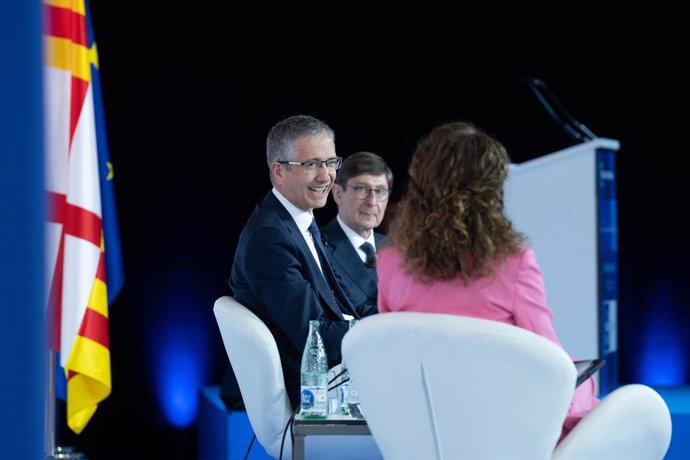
pixel 280 270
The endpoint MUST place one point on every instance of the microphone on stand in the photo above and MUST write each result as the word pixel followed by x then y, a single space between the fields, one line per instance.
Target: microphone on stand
pixel 556 110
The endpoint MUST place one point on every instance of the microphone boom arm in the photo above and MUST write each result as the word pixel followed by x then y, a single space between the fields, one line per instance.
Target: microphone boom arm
pixel 566 121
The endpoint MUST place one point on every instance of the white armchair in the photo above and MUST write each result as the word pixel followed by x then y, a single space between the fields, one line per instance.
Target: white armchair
pixel 451 387
pixel 255 360
pixel 254 357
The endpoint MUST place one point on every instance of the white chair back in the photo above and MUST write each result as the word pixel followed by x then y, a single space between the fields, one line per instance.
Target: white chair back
pixel 255 360
pixel 438 386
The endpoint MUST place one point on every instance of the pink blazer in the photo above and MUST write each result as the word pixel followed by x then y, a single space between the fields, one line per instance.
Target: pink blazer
pixel 513 295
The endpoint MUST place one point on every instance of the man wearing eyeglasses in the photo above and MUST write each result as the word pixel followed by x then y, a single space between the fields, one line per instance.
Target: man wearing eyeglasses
pixel 281 271
pixel 361 191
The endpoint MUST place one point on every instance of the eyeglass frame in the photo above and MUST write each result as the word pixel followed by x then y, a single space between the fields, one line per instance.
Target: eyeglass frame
pixel 376 191
pixel 317 164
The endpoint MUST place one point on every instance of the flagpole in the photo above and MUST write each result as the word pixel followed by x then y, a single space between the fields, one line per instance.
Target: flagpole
pixel 51 450
pixel 49 409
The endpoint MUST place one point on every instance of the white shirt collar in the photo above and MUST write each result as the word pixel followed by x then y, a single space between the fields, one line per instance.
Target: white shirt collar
pixel 301 217
pixel 354 237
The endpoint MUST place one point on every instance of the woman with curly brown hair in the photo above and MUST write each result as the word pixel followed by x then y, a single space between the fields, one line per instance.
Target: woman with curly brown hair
pixel 453 250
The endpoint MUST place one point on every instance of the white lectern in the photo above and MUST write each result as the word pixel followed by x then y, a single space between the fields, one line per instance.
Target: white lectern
pixel 565 202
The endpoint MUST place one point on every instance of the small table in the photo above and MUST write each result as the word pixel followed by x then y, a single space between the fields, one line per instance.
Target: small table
pixel 334 424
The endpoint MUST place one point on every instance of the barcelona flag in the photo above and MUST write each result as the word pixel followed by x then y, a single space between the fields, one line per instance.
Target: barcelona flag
pixel 84 263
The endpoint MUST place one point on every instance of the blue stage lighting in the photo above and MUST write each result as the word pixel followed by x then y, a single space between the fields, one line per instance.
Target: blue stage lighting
pixel 664 357
pixel 179 357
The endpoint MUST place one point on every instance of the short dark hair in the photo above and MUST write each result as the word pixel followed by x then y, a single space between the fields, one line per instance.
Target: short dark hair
pixel 363 163
pixel 280 142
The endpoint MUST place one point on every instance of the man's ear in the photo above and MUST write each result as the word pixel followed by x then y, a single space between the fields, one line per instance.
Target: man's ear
pixel 337 192
pixel 278 172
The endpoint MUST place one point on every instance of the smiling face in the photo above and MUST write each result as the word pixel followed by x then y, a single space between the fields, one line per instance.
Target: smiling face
pixel 361 214
pixel 306 190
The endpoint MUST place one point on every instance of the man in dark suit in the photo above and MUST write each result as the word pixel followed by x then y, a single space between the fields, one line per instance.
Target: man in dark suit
pixel 280 270
pixel 361 190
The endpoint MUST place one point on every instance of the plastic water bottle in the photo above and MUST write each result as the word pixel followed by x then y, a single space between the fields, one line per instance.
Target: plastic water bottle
pixel 344 398
pixel 314 384
pixel 348 394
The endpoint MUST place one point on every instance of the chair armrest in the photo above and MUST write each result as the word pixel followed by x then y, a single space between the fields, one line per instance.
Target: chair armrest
pixel 632 422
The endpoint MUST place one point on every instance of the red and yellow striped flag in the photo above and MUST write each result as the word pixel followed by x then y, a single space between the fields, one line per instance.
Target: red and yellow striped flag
pixel 76 275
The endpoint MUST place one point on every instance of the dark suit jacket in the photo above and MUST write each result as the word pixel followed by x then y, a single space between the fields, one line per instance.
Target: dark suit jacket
pixel 275 275
pixel 357 277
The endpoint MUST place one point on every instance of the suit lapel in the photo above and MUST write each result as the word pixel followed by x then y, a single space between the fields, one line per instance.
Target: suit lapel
pixel 348 261
pixel 312 271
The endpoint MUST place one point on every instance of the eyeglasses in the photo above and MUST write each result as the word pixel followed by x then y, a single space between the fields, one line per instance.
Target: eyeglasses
pixel 310 166
pixel 362 192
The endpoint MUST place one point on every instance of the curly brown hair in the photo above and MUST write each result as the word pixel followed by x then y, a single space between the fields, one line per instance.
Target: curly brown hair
pixel 451 221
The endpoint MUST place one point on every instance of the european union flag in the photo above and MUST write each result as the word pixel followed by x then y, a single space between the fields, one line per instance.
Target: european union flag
pixel 114 269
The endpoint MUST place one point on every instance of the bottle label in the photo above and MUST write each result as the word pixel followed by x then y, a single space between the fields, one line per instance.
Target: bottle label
pixel 344 396
pixel 344 393
pixel 313 401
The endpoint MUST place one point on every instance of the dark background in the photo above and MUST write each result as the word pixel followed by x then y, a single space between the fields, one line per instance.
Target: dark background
pixel 190 92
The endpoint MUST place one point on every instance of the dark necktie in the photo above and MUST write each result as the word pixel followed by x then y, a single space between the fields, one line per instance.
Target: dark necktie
pixel 320 250
pixel 371 254
pixel 327 271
